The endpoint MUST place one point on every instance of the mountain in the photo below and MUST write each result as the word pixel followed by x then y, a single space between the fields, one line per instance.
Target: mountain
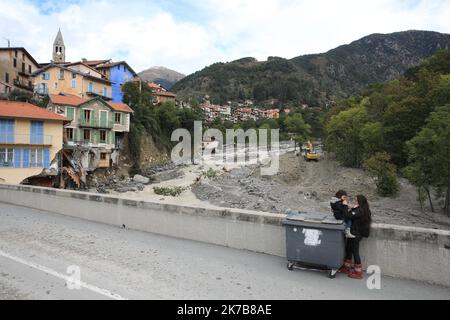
pixel 315 78
pixel 161 75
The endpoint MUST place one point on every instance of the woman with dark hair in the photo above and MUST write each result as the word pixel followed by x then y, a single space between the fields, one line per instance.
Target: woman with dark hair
pixel 361 218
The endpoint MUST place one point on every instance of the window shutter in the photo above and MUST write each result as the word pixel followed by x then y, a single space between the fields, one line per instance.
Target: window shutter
pixel 17 157
pixel 46 158
pixel 75 134
pixel 92 135
pixel 122 118
pixel 26 158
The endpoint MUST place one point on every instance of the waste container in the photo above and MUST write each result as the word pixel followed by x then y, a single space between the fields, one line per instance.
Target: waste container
pixel 314 240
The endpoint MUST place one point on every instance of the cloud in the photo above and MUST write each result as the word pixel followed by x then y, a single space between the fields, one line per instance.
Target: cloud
pixel 188 35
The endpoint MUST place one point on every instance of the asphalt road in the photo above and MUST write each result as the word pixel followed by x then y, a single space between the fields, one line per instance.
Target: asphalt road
pixel 37 248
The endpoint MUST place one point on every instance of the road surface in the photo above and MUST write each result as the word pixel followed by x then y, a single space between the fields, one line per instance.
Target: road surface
pixel 37 248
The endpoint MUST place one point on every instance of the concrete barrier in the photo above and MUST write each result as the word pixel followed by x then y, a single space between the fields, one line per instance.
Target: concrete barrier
pixel 405 252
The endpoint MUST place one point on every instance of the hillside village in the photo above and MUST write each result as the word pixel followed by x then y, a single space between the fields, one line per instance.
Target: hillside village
pixel 86 98
pixel 81 122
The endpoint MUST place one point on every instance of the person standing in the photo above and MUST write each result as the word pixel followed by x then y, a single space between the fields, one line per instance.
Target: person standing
pixel 361 218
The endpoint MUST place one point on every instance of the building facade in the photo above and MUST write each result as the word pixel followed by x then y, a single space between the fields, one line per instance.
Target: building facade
pixel 160 94
pixel 30 138
pixel 97 126
pixel 118 73
pixel 16 69
pixel 55 79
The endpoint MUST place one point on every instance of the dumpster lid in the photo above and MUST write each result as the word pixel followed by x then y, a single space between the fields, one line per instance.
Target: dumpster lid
pixel 313 217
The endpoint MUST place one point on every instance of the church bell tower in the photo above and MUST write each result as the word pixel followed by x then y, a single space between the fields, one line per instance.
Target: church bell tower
pixel 59 49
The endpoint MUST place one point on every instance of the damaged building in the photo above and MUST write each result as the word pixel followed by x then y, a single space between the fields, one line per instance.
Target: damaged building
pixel 94 137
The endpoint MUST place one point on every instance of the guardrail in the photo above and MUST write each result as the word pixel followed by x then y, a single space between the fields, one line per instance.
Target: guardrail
pixel 96 123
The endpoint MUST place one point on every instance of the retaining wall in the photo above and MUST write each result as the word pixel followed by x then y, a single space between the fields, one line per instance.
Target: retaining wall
pixel 407 252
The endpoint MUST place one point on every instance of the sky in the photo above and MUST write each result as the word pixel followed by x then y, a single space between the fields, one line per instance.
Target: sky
pixel 187 35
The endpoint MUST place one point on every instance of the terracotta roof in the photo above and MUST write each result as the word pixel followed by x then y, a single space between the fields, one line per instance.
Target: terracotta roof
pixel 66 99
pixel 164 94
pixel 122 107
pixel 16 109
pixel 94 63
pixel 153 85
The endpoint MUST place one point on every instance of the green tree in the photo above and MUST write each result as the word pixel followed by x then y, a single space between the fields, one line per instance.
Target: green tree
pixel 379 166
pixel 343 136
pixel 296 125
pixel 429 155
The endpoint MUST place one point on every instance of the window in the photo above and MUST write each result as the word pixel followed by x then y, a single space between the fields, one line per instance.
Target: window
pixel 23 67
pixel 7 77
pixel 30 84
pixel 105 91
pixel 102 136
pixel 15 53
pixel 14 62
pixel 69 134
pixel 29 68
pixel 87 135
pixel 43 89
pixel 87 115
pixel 74 83
pixel 70 113
pixel 45 76
pixel 91 87
pixel 102 156
pixel 7 128
pixel 6 157
pixel 74 75
pixel 37 132
pixel 36 158
pixel 23 56
pixel 56 85
pixel 61 74
pixel 118 118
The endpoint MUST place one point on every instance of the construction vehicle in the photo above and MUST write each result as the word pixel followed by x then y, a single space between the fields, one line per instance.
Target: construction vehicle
pixel 310 153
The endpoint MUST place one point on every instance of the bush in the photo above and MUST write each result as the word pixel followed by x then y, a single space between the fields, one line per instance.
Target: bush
pixel 169 191
pixel 211 173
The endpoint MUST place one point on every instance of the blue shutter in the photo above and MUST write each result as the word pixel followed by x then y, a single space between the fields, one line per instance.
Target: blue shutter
pixel 7 131
pixel 26 158
pixel 17 158
pixel 37 132
pixel 46 158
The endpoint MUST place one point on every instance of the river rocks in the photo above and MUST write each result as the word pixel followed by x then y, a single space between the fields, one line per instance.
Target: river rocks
pixel 141 179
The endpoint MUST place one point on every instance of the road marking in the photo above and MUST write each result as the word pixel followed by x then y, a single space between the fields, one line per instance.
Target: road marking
pixel 56 274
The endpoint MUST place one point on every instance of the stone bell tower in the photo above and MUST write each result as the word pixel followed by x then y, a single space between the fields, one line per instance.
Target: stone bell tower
pixel 59 49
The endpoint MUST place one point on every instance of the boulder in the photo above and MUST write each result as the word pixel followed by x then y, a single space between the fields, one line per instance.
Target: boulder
pixel 141 179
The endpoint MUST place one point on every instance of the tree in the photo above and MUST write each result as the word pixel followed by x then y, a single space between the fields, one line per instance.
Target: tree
pixel 298 127
pixel 429 155
pixel 385 173
pixel 343 135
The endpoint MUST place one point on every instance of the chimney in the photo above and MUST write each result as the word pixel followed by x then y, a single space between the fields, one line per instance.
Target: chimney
pixel 83 59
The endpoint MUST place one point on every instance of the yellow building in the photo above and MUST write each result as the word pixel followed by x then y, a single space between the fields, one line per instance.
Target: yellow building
pixel 76 80
pixel 30 138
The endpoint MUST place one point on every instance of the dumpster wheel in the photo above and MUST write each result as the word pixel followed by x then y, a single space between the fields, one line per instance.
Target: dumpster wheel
pixel 332 273
pixel 290 266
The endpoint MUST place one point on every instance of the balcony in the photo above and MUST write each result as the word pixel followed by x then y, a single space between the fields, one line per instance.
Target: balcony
pixel 95 123
pixel 23 85
pixel 26 140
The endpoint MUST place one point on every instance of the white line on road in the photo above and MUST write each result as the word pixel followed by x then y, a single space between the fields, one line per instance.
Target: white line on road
pixel 56 274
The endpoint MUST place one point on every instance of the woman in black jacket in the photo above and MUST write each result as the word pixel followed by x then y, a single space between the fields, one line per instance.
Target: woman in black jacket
pixel 361 218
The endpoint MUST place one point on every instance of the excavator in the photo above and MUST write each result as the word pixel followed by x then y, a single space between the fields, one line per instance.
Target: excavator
pixel 310 153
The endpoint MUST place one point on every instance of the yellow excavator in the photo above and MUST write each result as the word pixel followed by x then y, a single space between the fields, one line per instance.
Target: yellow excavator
pixel 310 153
